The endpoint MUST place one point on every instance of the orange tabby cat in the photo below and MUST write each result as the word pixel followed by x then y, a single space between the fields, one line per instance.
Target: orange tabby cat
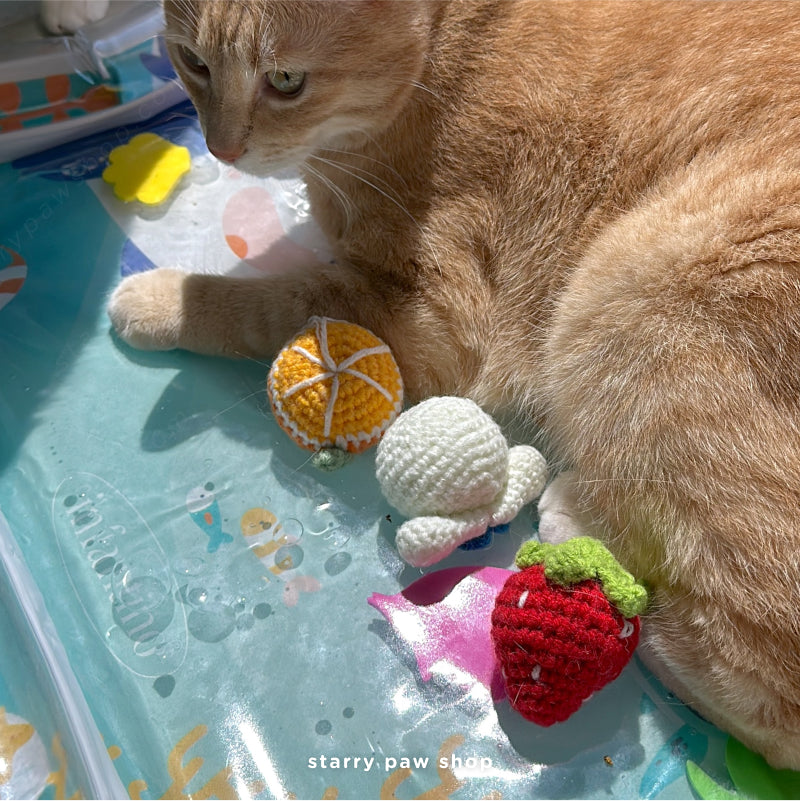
pixel 587 213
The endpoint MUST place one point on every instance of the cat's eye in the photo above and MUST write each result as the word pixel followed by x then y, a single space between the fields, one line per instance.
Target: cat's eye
pixel 288 82
pixel 193 61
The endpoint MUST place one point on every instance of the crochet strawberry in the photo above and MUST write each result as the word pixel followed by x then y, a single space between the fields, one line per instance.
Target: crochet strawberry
pixel 564 626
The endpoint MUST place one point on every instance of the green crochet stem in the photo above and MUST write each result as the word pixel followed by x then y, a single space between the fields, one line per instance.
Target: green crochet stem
pixel 330 459
pixel 585 558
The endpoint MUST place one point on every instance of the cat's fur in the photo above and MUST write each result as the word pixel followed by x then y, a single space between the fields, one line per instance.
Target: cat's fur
pixel 587 213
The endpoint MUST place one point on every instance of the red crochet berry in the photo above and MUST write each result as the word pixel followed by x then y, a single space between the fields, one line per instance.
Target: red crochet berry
pixel 557 644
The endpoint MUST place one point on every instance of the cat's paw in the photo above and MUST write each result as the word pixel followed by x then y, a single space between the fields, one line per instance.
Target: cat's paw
pixel 67 16
pixel 146 309
pixel 560 517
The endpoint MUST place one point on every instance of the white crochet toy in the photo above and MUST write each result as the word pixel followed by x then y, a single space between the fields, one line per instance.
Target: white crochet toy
pixel 446 466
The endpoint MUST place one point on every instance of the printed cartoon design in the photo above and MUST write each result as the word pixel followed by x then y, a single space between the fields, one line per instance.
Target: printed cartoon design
pixel 13 272
pixel 277 546
pixel 204 510
pixel 53 99
pixel 293 588
pixel 85 159
pixel 24 769
pixel 254 232
pixel 264 537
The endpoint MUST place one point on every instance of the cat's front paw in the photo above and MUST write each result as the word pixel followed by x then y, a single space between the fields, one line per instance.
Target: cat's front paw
pixel 146 309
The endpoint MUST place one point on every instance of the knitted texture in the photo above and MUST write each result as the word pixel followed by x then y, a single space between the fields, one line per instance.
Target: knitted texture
pixel 446 465
pixel 443 456
pixel 586 558
pixel 527 476
pixel 335 385
pixel 425 540
pixel 557 645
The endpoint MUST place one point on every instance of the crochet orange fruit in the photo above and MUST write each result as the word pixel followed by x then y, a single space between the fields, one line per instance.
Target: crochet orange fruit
pixel 335 385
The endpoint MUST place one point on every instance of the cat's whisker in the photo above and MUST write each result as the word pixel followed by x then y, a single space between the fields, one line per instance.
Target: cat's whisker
pixel 178 116
pixel 625 480
pixel 353 170
pixel 238 403
pixel 420 85
pixel 350 172
pixel 304 463
pixel 249 358
pixel 371 159
pixel 188 11
pixel 373 141
pixel 176 38
pixel 348 206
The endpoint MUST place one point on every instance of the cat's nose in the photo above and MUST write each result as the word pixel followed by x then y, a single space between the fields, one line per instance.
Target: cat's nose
pixel 227 153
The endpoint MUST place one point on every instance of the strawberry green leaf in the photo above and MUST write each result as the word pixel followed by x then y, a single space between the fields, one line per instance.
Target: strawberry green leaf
pixel 583 558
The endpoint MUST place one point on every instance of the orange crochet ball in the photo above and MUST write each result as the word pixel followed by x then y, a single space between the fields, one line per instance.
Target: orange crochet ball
pixel 335 385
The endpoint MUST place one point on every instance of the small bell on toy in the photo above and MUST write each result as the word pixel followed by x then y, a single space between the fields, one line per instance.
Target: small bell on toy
pixel 334 389
pixel 564 626
pixel 446 465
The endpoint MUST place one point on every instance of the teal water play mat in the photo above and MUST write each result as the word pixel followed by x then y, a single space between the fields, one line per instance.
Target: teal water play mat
pixel 185 600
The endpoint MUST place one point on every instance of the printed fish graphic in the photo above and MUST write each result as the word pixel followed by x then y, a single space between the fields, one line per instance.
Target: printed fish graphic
pixel 204 510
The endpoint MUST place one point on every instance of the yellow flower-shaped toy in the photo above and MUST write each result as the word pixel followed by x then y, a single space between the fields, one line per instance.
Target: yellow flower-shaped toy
pixel 146 169
pixel 335 385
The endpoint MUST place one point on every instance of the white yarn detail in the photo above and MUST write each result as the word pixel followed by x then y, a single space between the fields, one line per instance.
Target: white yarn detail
pixel 333 370
pixel 344 366
pixel 326 430
pixel 423 541
pixel 314 379
pixel 441 457
pixel 341 440
pixel 527 477
pixel 310 356
pixel 368 379
pixel 446 465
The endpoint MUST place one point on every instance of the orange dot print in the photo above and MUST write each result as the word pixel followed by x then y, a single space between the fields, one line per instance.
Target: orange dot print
pixel 56 87
pixel 10 97
pixel 237 244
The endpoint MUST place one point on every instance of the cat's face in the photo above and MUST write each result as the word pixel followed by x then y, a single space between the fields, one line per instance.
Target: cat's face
pixel 275 80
